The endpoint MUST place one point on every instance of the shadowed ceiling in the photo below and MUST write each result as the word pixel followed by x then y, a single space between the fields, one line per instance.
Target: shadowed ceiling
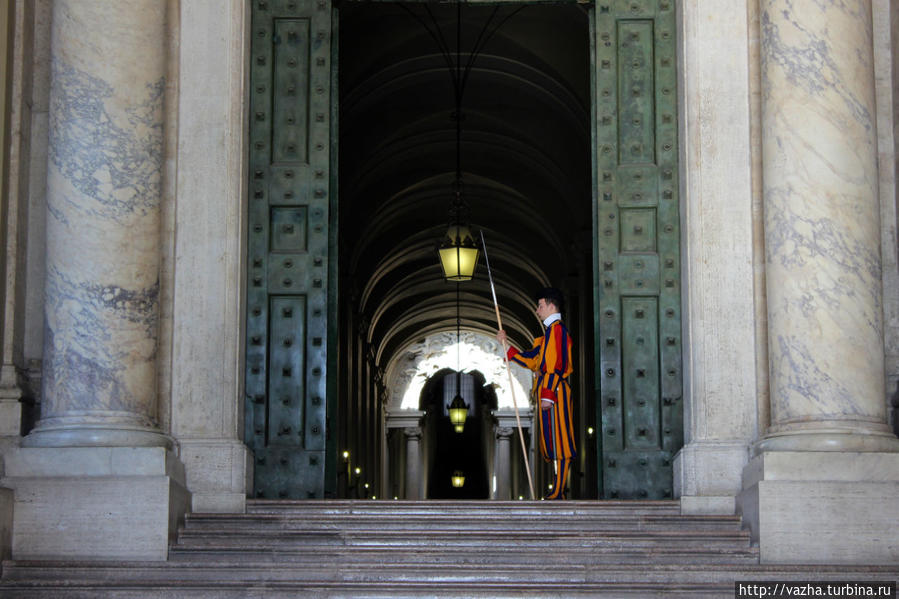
pixel 525 163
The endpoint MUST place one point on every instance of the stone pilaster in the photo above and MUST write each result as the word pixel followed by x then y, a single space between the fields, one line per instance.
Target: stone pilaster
pixel 503 463
pixel 201 366
pixel 96 479
pixel 413 462
pixel 509 450
pixel 720 416
pixel 15 135
pixel 402 421
pixel 827 465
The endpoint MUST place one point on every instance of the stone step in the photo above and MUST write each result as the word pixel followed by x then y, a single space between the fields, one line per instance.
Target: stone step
pixel 187 572
pixel 126 579
pixel 449 509
pixel 591 556
pixel 402 549
pixel 443 538
pixel 347 590
pixel 261 523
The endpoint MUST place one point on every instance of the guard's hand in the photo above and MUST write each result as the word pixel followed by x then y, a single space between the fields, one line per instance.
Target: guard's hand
pixel 545 405
pixel 501 336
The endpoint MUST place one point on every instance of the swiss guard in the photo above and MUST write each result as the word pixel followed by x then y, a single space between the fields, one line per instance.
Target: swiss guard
pixel 550 359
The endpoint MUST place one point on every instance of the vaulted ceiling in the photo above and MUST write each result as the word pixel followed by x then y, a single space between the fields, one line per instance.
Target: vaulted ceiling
pixel 525 162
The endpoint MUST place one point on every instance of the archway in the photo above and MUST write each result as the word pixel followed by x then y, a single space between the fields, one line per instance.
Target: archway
pixel 420 383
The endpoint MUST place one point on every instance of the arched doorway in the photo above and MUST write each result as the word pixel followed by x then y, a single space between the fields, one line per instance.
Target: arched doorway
pixel 457 460
pixel 420 384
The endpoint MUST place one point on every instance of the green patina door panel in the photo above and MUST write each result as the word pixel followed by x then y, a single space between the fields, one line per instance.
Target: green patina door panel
pixel 288 250
pixel 637 237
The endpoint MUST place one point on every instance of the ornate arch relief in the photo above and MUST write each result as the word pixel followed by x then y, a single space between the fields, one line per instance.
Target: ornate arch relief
pixel 410 368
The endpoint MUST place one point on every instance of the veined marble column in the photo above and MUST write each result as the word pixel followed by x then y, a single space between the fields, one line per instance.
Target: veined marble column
pixel 103 220
pixel 96 457
pixel 822 230
pixel 413 462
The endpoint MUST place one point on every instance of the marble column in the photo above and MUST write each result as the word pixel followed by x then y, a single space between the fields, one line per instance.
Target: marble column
pixel 503 463
pixel 96 460
pixel 103 225
pixel 823 483
pixel 413 462
pixel 822 228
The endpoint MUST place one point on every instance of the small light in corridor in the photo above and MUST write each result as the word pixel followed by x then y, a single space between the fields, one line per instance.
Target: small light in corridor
pixel 365 485
pixel 358 471
pixel 458 411
pixel 590 431
pixel 521 498
pixel 346 455
pixel 458 479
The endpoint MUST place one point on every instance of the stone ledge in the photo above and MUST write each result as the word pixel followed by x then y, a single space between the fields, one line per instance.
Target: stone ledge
pixel 822 507
pixel 724 505
pixel 218 474
pixel 709 469
pixel 92 461
pixel 95 503
pixel 821 466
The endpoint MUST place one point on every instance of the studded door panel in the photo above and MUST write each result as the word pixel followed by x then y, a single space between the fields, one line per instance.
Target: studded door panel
pixel 638 248
pixel 287 246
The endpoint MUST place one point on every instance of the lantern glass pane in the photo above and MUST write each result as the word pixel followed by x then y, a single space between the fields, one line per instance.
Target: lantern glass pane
pixel 468 258
pixel 458 415
pixel 449 260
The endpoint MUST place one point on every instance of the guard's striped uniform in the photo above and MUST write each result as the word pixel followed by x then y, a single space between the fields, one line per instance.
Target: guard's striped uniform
pixel 550 359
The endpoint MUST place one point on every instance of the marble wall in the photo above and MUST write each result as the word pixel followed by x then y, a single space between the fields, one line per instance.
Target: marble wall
pixel 204 252
pixel 886 57
pixel 720 416
pixel 15 45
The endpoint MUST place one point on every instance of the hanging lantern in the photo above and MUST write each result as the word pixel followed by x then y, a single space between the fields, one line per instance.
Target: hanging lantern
pixel 458 479
pixel 458 253
pixel 458 413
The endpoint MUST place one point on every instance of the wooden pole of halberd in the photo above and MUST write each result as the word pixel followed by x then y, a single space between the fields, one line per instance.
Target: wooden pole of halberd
pixel 499 324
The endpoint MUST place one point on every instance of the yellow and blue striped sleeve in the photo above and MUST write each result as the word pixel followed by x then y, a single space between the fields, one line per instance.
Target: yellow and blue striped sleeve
pixel 529 358
pixel 556 363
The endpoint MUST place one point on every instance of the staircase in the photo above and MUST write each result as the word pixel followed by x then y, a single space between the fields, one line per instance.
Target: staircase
pixel 434 549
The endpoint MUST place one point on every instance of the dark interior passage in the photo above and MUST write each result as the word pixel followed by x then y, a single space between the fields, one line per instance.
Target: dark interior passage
pixel 526 178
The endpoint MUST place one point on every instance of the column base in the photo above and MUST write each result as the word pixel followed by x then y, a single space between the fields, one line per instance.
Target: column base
pixel 707 476
pixel 219 474
pixel 879 439
pixel 95 503
pixel 822 507
pixel 96 429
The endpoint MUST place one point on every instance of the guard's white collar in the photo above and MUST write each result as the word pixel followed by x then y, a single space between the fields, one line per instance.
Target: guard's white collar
pixel 551 319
